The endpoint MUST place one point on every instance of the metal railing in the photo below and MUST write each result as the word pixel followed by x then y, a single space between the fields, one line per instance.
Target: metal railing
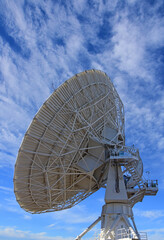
pixel 151 183
pixel 143 235
pixel 122 234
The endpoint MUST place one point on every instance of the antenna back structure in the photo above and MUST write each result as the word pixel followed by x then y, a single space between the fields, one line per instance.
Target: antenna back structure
pixel 74 146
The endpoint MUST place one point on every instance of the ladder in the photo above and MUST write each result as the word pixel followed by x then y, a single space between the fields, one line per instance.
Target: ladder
pixel 137 197
pixel 132 168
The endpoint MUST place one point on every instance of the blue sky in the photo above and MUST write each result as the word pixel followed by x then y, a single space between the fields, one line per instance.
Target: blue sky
pixel 42 44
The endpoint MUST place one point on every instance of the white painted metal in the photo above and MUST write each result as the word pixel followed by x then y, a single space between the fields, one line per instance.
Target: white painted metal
pixel 122 234
pixel 117 210
pixel 62 154
pixel 88 229
pixel 76 145
pixel 143 236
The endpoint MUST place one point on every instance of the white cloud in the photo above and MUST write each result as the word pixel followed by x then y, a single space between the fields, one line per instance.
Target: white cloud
pixel 65 227
pixel 73 45
pixel 13 233
pixel 10 205
pixel 155 233
pixel 161 143
pixel 27 217
pixel 51 225
pixel 156 236
pixel 156 230
pixel 55 42
pixel 79 214
pixel 131 1
pixel 51 62
pixel 151 214
pixel 6 189
pixel 132 39
pixel 79 6
pixel 128 47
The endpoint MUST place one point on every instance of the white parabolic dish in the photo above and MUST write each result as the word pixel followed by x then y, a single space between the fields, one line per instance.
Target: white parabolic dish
pixel 62 156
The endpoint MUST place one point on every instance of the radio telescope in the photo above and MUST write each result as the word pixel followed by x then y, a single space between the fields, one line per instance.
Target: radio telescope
pixel 74 146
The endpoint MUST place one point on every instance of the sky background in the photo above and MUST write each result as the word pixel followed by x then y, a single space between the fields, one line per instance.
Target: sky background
pixel 42 44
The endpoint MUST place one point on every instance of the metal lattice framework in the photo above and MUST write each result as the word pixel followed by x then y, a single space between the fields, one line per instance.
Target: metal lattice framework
pixel 62 154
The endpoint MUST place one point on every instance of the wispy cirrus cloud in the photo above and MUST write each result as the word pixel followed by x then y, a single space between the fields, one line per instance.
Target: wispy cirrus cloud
pixel 60 53
pixel 151 214
pixel 7 189
pixel 44 43
pixel 155 233
pixel 79 214
pixel 14 233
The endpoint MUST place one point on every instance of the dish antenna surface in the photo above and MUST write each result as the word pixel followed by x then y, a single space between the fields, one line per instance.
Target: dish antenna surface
pixel 74 146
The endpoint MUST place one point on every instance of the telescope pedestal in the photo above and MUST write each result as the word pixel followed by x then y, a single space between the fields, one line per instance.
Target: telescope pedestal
pixel 115 222
pixel 116 212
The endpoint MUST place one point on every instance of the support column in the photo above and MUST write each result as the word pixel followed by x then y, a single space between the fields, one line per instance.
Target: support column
pixel 117 210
